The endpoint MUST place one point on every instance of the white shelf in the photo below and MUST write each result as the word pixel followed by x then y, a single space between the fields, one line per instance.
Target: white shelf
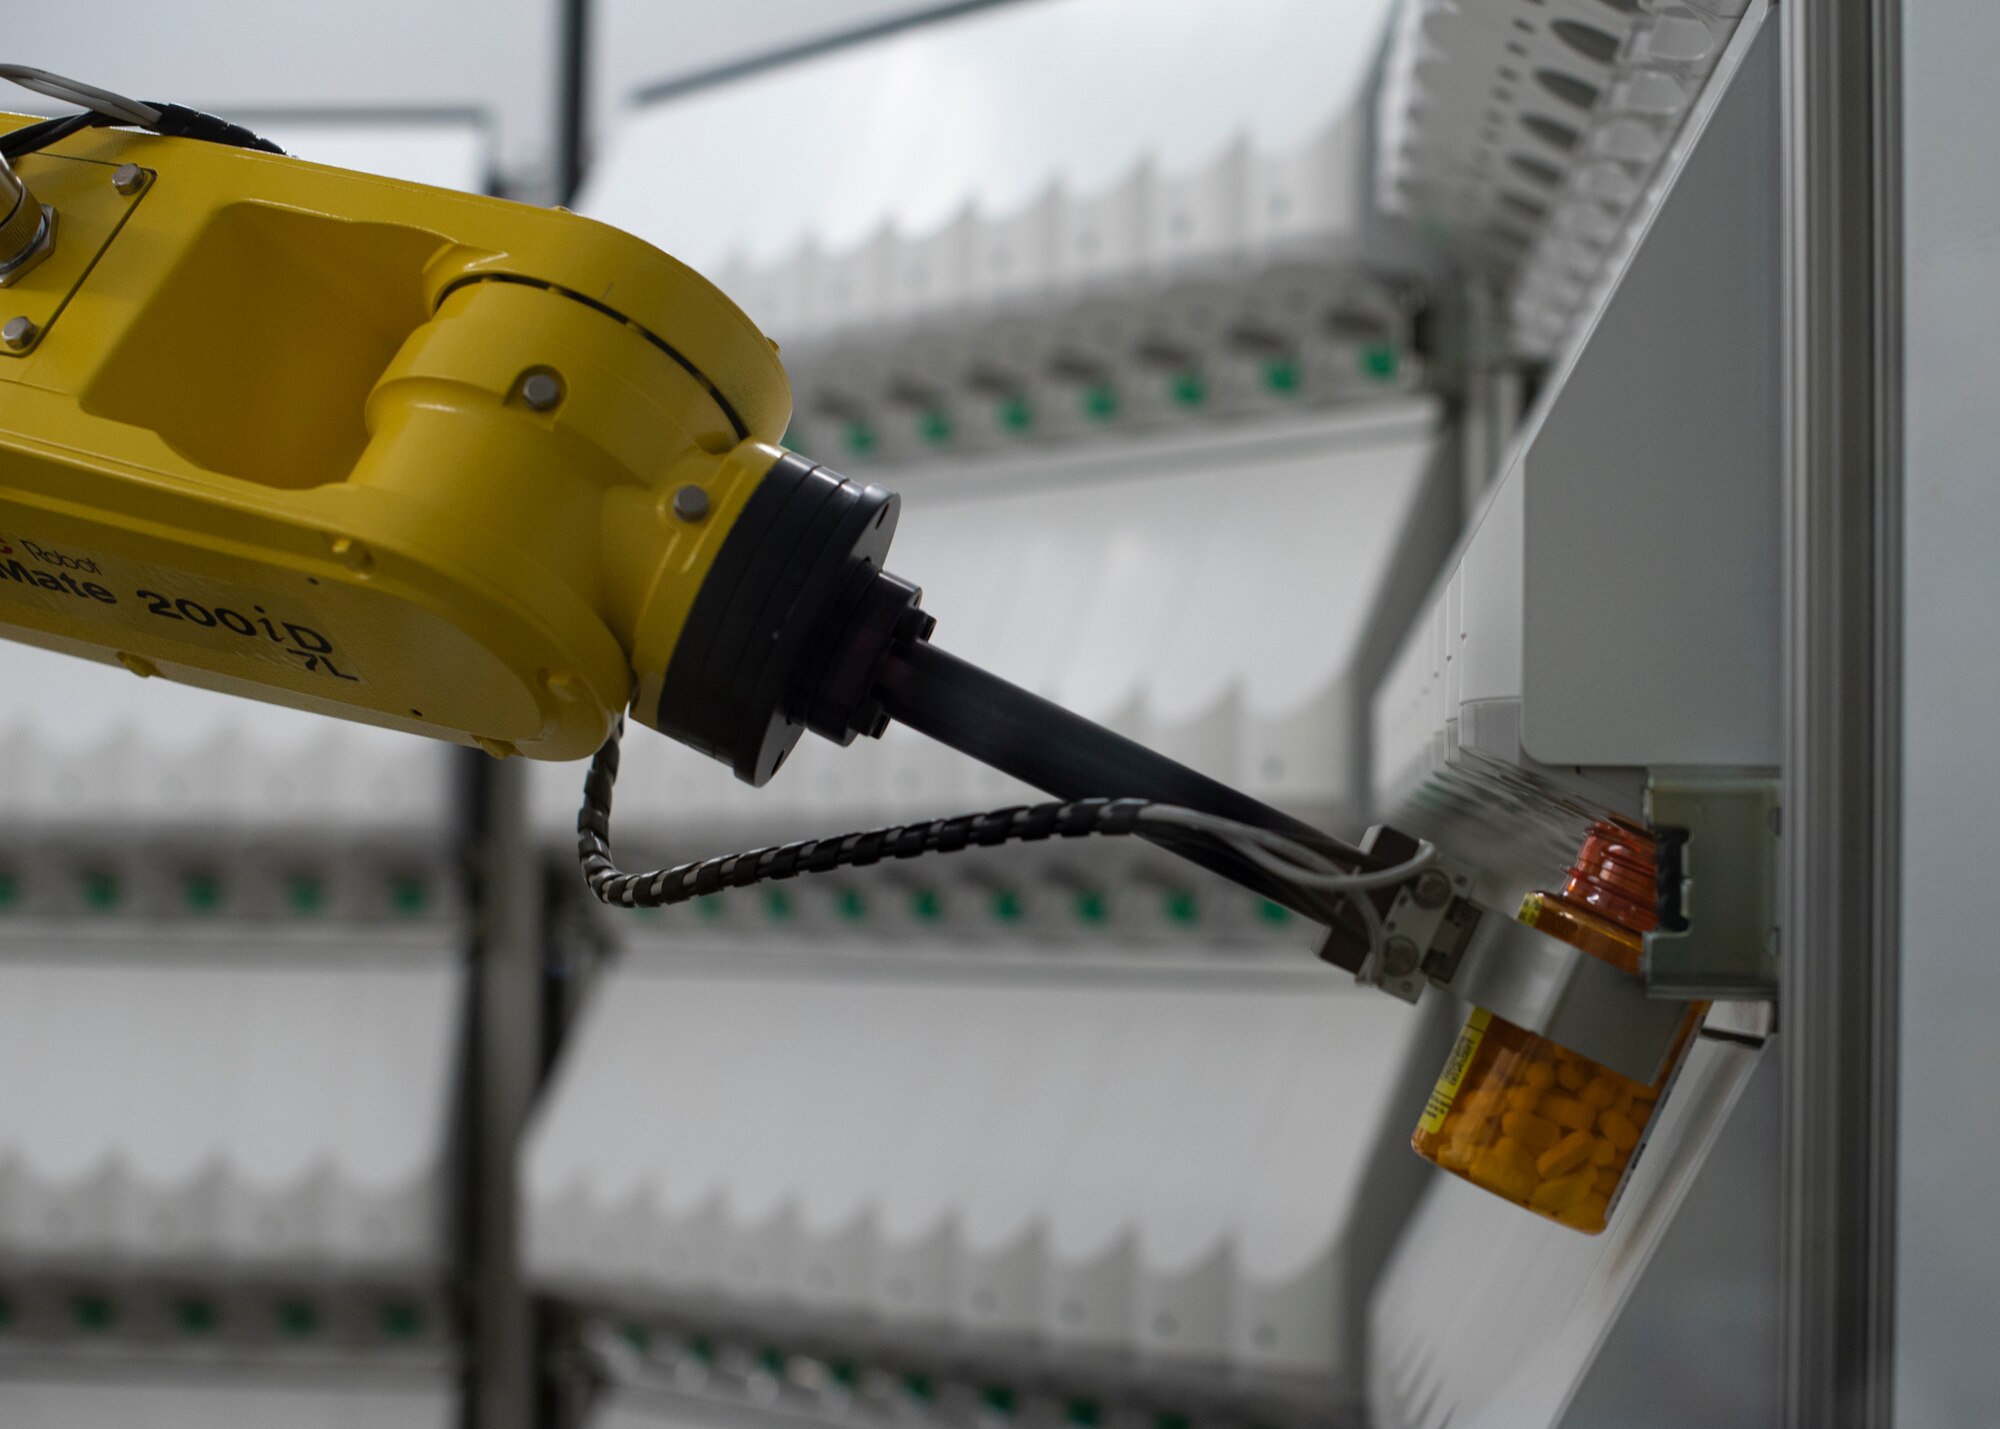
pixel 1532 134
pixel 83 742
pixel 220 1106
pixel 1616 605
pixel 1075 94
pixel 1172 1169
pixel 1488 1316
pixel 208 1399
pixel 1110 217
pixel 1613 614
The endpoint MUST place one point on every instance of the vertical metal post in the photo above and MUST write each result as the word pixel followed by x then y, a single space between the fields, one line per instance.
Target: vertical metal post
pixel 1490 401
pixel 1841 802
pixel 503 1065
pixel 572 97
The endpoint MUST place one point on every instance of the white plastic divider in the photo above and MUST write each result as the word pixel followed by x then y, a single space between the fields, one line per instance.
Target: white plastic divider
pixel 1210 598
pixel 1244 206
pixel 1532 131
pixel 212 1399
pixel 1005 103
pixel 1088 1163
pixel 83 742
pixel 627 1409
pixel 1076 238
pixel 225 1107
pixel 1205 341
pixel 1518 659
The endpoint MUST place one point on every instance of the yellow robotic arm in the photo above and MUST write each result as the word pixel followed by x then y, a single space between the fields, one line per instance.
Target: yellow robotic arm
pixel 456 466
pixel 438 462
pixel 499 474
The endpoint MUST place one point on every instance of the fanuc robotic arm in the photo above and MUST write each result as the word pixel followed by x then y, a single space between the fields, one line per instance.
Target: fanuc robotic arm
pixel 500 475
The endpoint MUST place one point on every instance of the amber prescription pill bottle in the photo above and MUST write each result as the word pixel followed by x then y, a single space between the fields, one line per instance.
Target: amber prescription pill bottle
pixel 1519 1116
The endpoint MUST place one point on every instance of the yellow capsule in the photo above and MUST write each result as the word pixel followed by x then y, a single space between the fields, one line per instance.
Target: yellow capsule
pixel 1540 1075
pixel 1455 1155
pixel 1563 1192
pixel 1601 1092
pixel 1605 1154
pixel 1502 1170
pixel 1619 1130
pixel 1536 1133
pixel 1587 1214
pixel 1566 1155
pixel 1487 1101
pixel 1607 1179
pixel 1522 1098
pixel 1571 1076
pixel 1569 1112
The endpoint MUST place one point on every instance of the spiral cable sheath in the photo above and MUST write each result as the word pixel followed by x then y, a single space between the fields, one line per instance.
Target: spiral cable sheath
pixel 665 887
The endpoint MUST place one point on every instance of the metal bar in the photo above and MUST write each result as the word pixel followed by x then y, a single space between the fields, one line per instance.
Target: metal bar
pixel 665 89
pixel 1491 405
pixel 1724 944
pixel 503 1066
pixel 573 98
pixel 1047 747
pixel 1842 492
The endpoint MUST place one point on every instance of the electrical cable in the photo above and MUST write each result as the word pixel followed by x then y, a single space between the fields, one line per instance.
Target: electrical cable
pixel 31 137
pixel 116 107
pixel 1058 751
pixel 1279 854
pixel 1282 857
pixel 102 106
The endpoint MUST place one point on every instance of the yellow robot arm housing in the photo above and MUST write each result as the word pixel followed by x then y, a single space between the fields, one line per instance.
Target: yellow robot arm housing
pixel 440 462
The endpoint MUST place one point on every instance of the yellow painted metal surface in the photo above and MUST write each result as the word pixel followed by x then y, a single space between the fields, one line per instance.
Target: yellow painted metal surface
pixel 275 434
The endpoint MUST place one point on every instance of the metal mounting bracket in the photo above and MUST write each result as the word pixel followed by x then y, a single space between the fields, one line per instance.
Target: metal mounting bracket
pixel 1718 933
pixel 1437 935
pixel 1547 986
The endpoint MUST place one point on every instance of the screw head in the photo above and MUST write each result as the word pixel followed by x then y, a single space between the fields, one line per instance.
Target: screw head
pixel 541 391
pixel 19 333
pixel 1432 889
pixel 352 554
pixel 128 178
pixel 1399 957
pixel 690 503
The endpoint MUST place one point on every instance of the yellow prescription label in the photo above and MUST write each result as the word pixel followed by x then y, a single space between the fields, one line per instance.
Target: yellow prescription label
pixel 1453 1076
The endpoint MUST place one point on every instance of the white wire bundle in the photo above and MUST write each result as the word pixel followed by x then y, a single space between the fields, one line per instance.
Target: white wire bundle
pixel 84 96
pixel 1300 864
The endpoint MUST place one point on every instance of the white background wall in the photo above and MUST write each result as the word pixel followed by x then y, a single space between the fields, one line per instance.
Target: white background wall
pixel 1948 1251
pixel 639 43
pixel 986 108
pixel 501 56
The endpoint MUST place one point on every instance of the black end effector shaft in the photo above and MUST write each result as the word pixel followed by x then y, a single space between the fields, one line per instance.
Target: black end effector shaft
pixel 798 626
pixel 1042 744
pixel 1052 749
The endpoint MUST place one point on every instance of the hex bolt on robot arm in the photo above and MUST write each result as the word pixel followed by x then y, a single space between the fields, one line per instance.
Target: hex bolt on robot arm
pixel 497 475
